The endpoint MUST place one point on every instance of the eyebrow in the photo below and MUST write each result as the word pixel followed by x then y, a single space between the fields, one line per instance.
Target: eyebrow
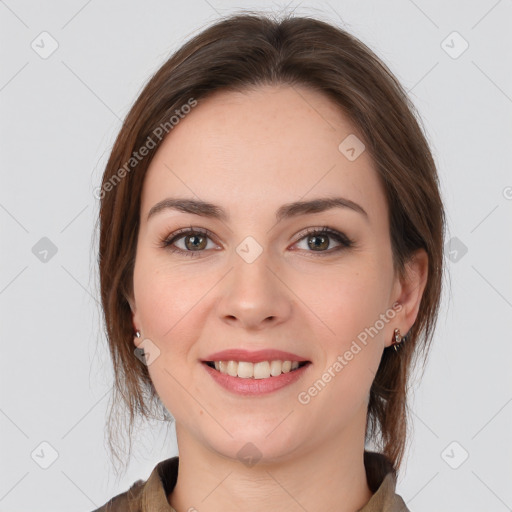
pixel 289 210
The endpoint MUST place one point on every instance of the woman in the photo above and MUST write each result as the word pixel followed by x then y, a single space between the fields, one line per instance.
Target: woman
pixel 270 228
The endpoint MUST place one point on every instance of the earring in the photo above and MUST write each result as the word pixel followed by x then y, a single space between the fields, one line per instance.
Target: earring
pixel 137 334
pixel 397 339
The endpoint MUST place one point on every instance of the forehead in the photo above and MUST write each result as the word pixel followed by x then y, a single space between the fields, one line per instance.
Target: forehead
pixel 278 143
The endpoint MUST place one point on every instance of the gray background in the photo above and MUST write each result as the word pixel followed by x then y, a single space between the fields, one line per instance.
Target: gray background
pixel 60 115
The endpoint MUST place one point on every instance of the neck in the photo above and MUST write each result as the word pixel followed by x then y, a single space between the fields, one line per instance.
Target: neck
pixel 328 477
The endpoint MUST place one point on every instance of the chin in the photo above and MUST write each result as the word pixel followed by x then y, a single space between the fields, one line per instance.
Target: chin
pixel 255 446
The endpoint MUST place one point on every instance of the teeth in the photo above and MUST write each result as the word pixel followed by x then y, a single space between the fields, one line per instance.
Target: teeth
pixel 244 370
pixel 260 370
pixel 232 368
pixel 275 368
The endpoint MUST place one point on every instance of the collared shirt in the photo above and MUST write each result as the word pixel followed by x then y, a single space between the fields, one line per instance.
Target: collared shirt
pixel 151 495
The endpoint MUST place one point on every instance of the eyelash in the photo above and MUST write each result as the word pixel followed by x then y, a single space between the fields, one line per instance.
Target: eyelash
pixel 345 242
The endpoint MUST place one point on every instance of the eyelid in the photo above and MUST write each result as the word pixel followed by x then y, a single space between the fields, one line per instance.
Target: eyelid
pixel 321 229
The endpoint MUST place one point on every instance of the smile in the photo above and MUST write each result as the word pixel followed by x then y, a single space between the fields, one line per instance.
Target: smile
pixel 253 379
pixel 259 370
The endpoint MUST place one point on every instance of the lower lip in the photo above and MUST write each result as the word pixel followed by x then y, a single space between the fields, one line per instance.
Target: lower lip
pixel 253 386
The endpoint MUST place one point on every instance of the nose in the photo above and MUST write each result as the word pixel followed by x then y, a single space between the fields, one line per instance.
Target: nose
pixel 253 297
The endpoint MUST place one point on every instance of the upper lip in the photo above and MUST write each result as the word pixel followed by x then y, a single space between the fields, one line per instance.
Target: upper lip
pixel 236 354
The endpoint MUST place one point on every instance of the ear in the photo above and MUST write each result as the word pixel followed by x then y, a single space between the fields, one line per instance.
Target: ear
pixel 409 291
pixel 135 319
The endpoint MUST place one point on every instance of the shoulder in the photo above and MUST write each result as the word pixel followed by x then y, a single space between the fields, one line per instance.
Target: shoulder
pixel 382 479
pixel 128 501
pixel 146 495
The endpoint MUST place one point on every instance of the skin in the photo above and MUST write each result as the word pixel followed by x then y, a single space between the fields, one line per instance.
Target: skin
pixel 251 153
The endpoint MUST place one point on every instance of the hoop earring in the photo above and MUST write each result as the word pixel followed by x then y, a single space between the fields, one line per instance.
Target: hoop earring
pixel 397 339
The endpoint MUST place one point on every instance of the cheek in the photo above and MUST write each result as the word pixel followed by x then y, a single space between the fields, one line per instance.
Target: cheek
pixel 348 298
pixel 164 297
pixel 165 308
pixel 349 306
pixel 172 308
pixel 351 303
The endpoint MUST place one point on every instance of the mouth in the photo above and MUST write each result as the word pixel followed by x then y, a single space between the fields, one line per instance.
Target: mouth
pixel 258 370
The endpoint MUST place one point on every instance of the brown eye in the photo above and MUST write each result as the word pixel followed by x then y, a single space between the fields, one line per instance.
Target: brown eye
pixel 189 242
pixel 195 242
pixel 318 242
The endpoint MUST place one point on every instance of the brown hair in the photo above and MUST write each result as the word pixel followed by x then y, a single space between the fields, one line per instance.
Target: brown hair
pixel 244 51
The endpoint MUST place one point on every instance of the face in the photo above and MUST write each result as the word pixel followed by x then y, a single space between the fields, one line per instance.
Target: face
pixel 308 283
